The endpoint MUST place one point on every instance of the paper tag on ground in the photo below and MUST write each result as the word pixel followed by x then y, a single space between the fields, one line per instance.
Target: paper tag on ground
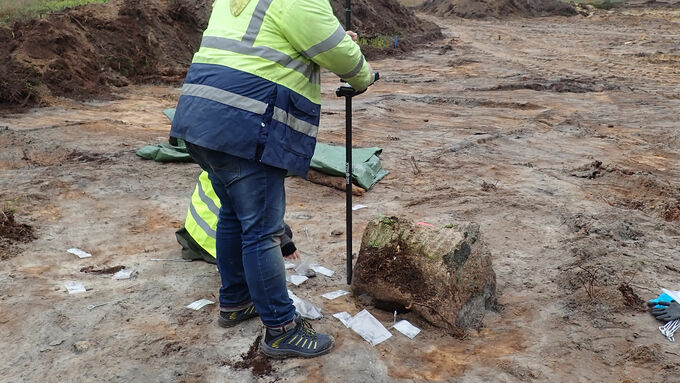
pixel 335 294
pixel 75 287
pixel 297 280
pixel 305 308
pixel 289 265
pixel 321 270
pixel 123 274
pixel 369 328
pixel 357 207
pixel 199 304
pixel 79 253
pixel 405 327
pixel 344 317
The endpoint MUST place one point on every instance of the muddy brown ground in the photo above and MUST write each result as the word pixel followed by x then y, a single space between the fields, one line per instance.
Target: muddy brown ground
pixel 524 105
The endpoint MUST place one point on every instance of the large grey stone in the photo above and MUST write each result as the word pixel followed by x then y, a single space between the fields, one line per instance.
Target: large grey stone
pixel 443 274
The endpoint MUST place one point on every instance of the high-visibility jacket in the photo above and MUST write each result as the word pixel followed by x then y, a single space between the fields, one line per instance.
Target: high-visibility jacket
pixel 253 89
pixel 197 236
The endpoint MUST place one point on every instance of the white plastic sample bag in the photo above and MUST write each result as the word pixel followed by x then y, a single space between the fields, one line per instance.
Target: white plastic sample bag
pixel 369 328
pixel 405 327
pixel 305 308
pixel 344 317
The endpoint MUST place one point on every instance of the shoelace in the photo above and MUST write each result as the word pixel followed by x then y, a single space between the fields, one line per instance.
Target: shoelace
pixel 306 329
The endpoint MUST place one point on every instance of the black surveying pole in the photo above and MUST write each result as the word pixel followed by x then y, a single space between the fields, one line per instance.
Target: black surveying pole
pixel 348 92
pixel 348 159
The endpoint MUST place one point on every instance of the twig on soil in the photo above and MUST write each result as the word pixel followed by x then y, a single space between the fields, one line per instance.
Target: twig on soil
pixel 605 200
pixel 589 284
pixel 416 170
pixel 77 21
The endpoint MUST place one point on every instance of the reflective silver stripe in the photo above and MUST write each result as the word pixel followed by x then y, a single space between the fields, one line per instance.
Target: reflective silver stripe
pixel 316 75
pixel 224 97
pixel 201 222
pixel 263 52
pixel 354 71
pixel 256 21
pixel 207 200
pixel 327 44
pixel 304 127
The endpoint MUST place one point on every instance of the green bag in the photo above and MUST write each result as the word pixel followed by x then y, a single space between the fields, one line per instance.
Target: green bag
pixel 165 152
pixel 366 167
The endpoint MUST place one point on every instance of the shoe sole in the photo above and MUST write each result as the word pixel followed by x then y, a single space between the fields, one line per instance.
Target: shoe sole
pixel 275 353
pixel 224 324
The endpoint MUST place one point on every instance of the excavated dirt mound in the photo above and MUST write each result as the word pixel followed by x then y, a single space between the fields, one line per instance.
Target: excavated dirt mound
pixel 477 9
pixel 379 21
pixel 82 52
pixel 12 232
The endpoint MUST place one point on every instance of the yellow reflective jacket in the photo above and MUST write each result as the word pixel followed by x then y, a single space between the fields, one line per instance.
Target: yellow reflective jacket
pixel 253 89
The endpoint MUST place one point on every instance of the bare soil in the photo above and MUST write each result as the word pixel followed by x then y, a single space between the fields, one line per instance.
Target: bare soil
pixel 477 9
pixel 449 121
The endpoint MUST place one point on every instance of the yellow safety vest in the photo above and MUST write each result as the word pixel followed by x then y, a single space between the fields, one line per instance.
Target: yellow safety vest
pixel 253 89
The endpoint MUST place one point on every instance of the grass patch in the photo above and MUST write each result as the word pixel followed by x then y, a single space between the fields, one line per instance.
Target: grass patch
pixel 380 41
pixel 11 10
pixel 599 4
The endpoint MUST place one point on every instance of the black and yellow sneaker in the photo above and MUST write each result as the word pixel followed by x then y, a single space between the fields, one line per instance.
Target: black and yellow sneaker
pixel 296 339
pixel 230 318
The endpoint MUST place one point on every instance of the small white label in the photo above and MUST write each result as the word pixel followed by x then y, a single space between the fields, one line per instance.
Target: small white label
pixel 359 206
pixel 75 287
pixel 297 280
pixel 335 294
pixel 199 304
pixel 321 270
pixel 123 274
pixel 81 254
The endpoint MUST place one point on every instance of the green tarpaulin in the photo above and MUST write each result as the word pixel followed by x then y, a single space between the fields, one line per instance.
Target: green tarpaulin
pixel 329 159
pixel 165 152
pixel 366 166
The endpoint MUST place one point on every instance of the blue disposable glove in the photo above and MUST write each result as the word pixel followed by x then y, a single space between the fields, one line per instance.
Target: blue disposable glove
pixel 653 303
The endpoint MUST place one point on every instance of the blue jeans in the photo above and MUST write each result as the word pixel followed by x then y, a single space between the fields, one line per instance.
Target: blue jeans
pixel 249 230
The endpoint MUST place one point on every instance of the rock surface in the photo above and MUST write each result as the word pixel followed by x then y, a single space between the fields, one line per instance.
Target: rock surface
pixel 443 274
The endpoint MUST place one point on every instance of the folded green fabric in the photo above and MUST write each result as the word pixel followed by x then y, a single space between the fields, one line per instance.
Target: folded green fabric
pixel 165 152
pixel 366 167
